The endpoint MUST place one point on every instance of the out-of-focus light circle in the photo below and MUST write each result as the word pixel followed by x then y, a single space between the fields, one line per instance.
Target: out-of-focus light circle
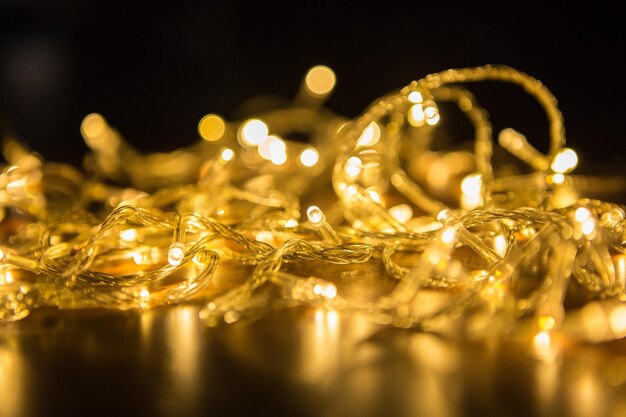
pixel 320 80
pixel 211 127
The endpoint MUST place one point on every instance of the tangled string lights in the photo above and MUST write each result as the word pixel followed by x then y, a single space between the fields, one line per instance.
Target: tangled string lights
pixel 458 238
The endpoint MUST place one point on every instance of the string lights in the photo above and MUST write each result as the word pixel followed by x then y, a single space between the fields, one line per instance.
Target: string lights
pixel 457 237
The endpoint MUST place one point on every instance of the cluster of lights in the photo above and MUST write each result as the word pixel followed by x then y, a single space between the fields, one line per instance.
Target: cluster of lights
pixel 234 199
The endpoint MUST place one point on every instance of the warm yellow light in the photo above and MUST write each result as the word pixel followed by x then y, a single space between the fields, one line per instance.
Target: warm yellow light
pixel 129 235
pixel 309 157
pixel 432 115
pixel 93 126
pixel 581 214
pixel 588 226
pixel 402 213
pixel 546 322
pixel 320 80
pixel 472 185
pixel 443 215
pixel 274 149
pixel 542 344
pixel 315 215
pixel 353 166
pixel 416 115
pixel 447 235
pixel 617 320
pixel 175 254
pixel 253 132
pixel 265 236
pixel 565 161
pixel 373 195
pixel 6 277
pixel 415 97
pixel 327 290
pixel 500 245
pixel 211 127
pixel 558 178
pixel 144 293
pixel 227 155
pixel 370 136
pixel 291 223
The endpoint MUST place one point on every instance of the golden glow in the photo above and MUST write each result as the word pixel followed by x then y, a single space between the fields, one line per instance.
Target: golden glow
pixel 447 235
pixel 402 213
pixel 211 127
pixel 129 235
pixel 273 148
pixel 415 97
pixel 370 136
pixel 309 157
pixel 416 115
pixel 617 320
pixel 542 344
pixel 227 155
pixel 565 161
pixel 581 214
pixel 472 184
pixel 253 132
pixel 546 322
pixel 432 115
pixel 315 215
pixel 588 226
pixel 93 126
pixel 558 178
pixel 176 254
pixel 373 195
pixel 320 80
pixel 328 290
pixel 266 237
pixel 6 276
pixel 353 166
pixel 144 293
pixel 291 223
pixel 500 245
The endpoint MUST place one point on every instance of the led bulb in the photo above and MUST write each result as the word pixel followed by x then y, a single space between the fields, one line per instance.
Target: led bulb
pixel 415 97
pixel 370 136
pixel 253 132
pixel 211 127
pixel 309 157
pixel 320 80
pixel 315 215
pixel 176 254
pixel 565 161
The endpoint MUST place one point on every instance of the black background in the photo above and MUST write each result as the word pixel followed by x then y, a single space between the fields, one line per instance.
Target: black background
pixel 153 70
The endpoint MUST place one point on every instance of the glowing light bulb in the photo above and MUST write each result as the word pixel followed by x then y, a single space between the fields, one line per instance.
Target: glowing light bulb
pixel 253 132
pixel 546 322
pixel 402 213
pixel 370 136
pixel 542 343
pixel 416 115
pixel 581 214
pixel 93 126
pixel 265 236
pixel 176 254
pixel 291 223
pixel 315 215
pixel 226 155
pixel 327 290
pixel 447 235
pixel 273 147
pixel 500 245
pixel 144 293
pixel 588 227
pixel 129 235
pixel 211 127
pixel 432 115
pixel 558 178
pixel 320 80
pixel 617 320
pixel 471 188
pixel 373 195
pixel 565 161
pixel 309 157
pixel 353 166
pixel 415 97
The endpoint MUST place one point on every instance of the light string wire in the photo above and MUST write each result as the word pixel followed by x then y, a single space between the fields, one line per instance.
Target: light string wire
pixel 514 252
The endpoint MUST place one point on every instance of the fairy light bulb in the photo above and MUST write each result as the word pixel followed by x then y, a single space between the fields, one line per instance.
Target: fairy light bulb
pixel 227 155
pixel 353 166
pixel 252 132
pixel 327 290
pixel 416 115
pixel 432 116
pixel 309 157
pixel 128 235
pixel 415 97
pixel 320 80
pixel 581 214
pixel 370 136
pixel 471 188
pixel 315 215
pixel 402 213
pixel 175 254
pixel 448 235
pixel 565 161
pixel 211 127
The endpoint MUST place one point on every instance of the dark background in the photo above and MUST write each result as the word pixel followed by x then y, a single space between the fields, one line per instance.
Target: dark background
pixel 153 70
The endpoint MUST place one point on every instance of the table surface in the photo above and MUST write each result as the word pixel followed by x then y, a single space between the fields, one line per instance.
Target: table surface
pixel 297 362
